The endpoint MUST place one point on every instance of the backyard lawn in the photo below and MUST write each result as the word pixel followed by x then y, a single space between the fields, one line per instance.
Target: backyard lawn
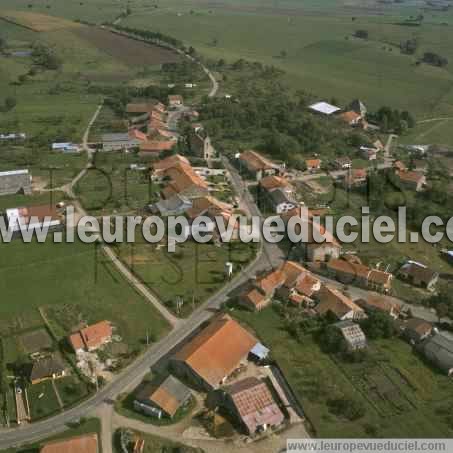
pixel 401 394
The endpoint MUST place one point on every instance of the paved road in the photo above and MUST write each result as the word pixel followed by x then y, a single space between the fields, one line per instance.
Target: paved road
pixel 270 255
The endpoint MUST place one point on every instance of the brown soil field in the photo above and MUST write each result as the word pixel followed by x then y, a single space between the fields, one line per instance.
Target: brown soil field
pixel 126 50
pixel 37 22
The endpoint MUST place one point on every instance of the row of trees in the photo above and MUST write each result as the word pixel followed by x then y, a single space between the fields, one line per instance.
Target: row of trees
pixel 153 36
pixel 45 57
pixel 394 120
pixel 434 59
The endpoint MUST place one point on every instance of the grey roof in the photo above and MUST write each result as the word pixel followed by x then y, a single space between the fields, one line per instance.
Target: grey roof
pixel 174 204
pixel 116 137
pixel 260 351
pixel 279 196
pixel 46 367
pixel 439 349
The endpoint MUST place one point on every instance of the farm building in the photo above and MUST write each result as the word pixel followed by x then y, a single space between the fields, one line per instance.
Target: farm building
pixel 163 400
pixel 51 367
pixel 119 141
pixel 200 144
pixel 360 275
pixel 333 301
pixel 282 201
pixel 324 108
pixel 65 147
pixel 438 349
pixel 175 205
pixel 209 358
pixel 92 337
pixel 257 165
pixel 251 404
pixel 41 216
pixel 416 330
pixel 87 443
pixel 377 303
pixel 419 275
pixel 15 181
pixel 353 335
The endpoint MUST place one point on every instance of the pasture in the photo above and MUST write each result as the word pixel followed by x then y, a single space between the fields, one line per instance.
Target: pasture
pixel 317 50
pixel 72 282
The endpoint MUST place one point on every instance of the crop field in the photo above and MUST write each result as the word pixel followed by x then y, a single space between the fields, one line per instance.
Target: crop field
pixel 37 22
pixel 319 52
pixel 128 51
pixel 401 394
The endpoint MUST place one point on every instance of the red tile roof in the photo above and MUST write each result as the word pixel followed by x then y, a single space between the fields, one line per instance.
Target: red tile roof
pixel 157 146
pixel 335 301
pixel 255 404
pixel 217 350
pixel 91 337
pixel 87 443
pixel 313 163
pixel 170 161
pixel 256 161
pixel 273 182
pixel 350 116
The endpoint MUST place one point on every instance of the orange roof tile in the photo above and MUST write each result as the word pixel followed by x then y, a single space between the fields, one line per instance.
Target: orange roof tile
pixel 350 116
pixel 87 443
pixel 273 182
pixel 313 163
pixel 335 301
pixel 92 336
pixel 256 161
pixel 156 146
pixel 217 350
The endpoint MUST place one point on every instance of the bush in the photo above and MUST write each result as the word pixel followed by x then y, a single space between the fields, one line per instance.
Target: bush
pixel 347 407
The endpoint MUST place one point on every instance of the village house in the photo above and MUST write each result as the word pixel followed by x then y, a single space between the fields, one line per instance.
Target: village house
pixel 378 303
pixel 313 164
pixel 358 107
pixel 251 404
pixel 163 400
pixel 412 180
pixel 351 118
pixel 342 307
pixel 368 153
pixel 438 349
pixel 175 100
pixel 210 357
pixel 300 286
pixel 152 148
pixel 418 274
pixel 161 166
pixel 119 141
pixel 146 107
pixel 92 337
pixel 86 443
pixel 327 247
pixel 416 329
pixel 40 216
pixel 14 182
pixel 355 178
pixel 353 335
pixel 262 291
pixel 176 205
pixel 343 163
pixel 183 181
pixel 208 206
pixel 257 165
pixel 200 144
pixel 272 182
pixel 282 201
pixel 50 367
pixel 290 282
pixel 357 274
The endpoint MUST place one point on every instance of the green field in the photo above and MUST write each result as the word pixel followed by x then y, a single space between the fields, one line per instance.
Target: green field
pixel 321 57
pixel 194 271
pixel 71 282
pixel 413 397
